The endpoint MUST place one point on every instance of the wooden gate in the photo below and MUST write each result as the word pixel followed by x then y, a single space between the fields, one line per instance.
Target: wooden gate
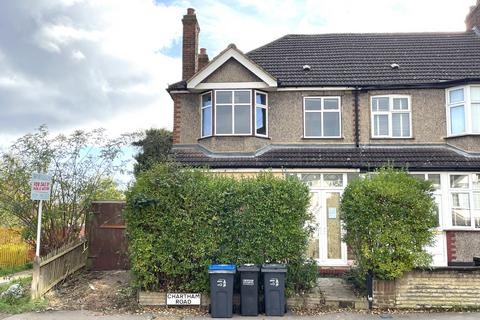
pixel 106 236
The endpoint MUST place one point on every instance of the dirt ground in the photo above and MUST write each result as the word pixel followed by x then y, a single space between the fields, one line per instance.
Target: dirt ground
pixel 106 292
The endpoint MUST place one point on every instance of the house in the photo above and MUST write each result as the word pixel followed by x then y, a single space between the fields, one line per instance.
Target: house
pixel 329 107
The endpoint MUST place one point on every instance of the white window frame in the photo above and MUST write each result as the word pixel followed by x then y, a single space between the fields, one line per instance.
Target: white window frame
pixel 233 112
pixel 201 114
pixel 437 194
pixel 255 112
pixel 389 114
pixel 467 105
pixel 322 111
pixel 470 191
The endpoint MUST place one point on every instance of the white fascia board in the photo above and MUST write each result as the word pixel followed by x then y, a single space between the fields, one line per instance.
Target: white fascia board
pixel 219 61
pixel 316 89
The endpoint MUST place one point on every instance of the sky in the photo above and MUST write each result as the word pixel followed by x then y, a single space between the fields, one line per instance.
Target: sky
pixel 84 64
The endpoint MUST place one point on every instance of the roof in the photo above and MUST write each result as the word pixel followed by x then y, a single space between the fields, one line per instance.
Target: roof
pixel 297 156
pixel 365 59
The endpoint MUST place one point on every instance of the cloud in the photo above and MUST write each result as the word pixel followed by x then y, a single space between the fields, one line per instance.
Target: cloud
pixel 85 64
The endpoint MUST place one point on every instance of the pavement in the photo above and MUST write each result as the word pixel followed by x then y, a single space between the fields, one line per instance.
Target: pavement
pixel 87 315
pixel 18 275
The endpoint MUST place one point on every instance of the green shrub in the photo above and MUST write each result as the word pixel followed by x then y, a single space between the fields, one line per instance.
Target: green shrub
pixel 181 220
pixel 301 276
pixel 388 219
pixel 357 279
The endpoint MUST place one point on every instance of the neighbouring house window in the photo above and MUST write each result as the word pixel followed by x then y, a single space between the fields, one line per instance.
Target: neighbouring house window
pixel 322 117
pixel 206 114
pixel 261 114
pixel 463 110
pixel 233 112
pixel 391 117
pixel 465 200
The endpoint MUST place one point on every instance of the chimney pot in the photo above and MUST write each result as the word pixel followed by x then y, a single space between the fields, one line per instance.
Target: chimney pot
pixel 190 11
pixel 203 51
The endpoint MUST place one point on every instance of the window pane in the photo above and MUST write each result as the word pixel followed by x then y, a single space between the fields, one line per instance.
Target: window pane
pixel 207 100
pixel 455 95
pixel 313 104
pixel 457 119
pixel 333 179
pixel 352 176
pixel 223 97
pixel 438 205
pixel 397 125
pixel 207 121
pixel 476 200
pixel 261 98
pixel 312 180
pixel 313 125
pixel 261 121
pixel 435 180
pixel 461 200
pixel 400 104
pixel 330 104
pixel 459 181
pixel 476 117
pixel 381 125
pixel 224 119
pixel 419 176
pixel 380 104
pixel 242 120
pixel 475 93
pixel 406 125
pixel 476 181
pixel 461 218
pixel 242 96
pixel 331 124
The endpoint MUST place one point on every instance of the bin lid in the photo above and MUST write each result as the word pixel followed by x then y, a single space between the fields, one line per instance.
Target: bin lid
pixel 274 267
pixel 221 268
pixel 249 267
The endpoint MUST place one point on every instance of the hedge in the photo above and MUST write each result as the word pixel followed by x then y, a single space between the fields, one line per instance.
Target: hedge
pixel 180 220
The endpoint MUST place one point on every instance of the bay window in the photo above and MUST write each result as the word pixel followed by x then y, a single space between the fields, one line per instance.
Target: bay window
pixel 391 117
pixel 234 113
pixel 322 118
pixel 463 110
pixel 465 200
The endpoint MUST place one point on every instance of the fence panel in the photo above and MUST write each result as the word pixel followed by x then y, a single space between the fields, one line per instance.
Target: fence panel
pixel 57 265
pixel 13 250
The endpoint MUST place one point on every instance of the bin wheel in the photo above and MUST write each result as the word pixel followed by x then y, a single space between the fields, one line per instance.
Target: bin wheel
pixel 209 308
pixel 286 308
pixel 234 308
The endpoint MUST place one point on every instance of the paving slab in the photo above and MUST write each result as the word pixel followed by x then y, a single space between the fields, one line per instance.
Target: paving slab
pixel 77 315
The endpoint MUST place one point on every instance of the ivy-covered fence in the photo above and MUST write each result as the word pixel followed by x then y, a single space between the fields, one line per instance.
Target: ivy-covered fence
pixel 181 220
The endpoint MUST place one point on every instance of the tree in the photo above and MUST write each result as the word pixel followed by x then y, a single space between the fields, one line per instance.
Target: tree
pixel 80 165
pixel 155 147
pixel 388 219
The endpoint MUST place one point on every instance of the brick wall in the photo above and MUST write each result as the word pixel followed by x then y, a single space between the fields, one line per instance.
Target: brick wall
pixel 436 288
pixel 462 246
pixel 190 44
pixel 177 117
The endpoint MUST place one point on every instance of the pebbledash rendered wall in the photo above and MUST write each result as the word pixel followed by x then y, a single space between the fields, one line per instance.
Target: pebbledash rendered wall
pixel 448 287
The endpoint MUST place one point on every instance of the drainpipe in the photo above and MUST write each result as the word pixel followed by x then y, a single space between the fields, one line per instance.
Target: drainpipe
pixel 357 116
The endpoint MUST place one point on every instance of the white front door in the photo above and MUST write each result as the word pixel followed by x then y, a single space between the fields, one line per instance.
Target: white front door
pixel 326 245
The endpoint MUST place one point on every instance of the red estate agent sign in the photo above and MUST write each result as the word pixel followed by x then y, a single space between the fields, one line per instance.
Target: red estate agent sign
pixel 41 186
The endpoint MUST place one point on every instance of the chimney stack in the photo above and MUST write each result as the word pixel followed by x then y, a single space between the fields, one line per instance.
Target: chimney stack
pixel 473 17
pixel 202 58
pixel 191 30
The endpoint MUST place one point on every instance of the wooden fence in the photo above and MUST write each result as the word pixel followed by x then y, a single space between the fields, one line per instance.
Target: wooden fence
pixel 57 265
pixel 13 250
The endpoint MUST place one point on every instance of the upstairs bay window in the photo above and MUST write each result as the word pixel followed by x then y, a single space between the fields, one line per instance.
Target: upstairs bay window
pixel 322 117
pixel 463 110
pixel 391 117
pixel 234 113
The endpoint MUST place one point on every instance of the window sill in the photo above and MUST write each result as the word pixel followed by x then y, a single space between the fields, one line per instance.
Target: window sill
pixel 461 229
pixel 233 136
pixel 322 138
pixel 461 135
pixel 392 138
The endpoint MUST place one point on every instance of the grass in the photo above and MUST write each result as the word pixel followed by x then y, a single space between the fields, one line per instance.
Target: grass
pixel 23 304
pixel 11 270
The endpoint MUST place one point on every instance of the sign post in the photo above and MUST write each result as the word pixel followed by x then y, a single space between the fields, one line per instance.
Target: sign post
pixel 41 184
